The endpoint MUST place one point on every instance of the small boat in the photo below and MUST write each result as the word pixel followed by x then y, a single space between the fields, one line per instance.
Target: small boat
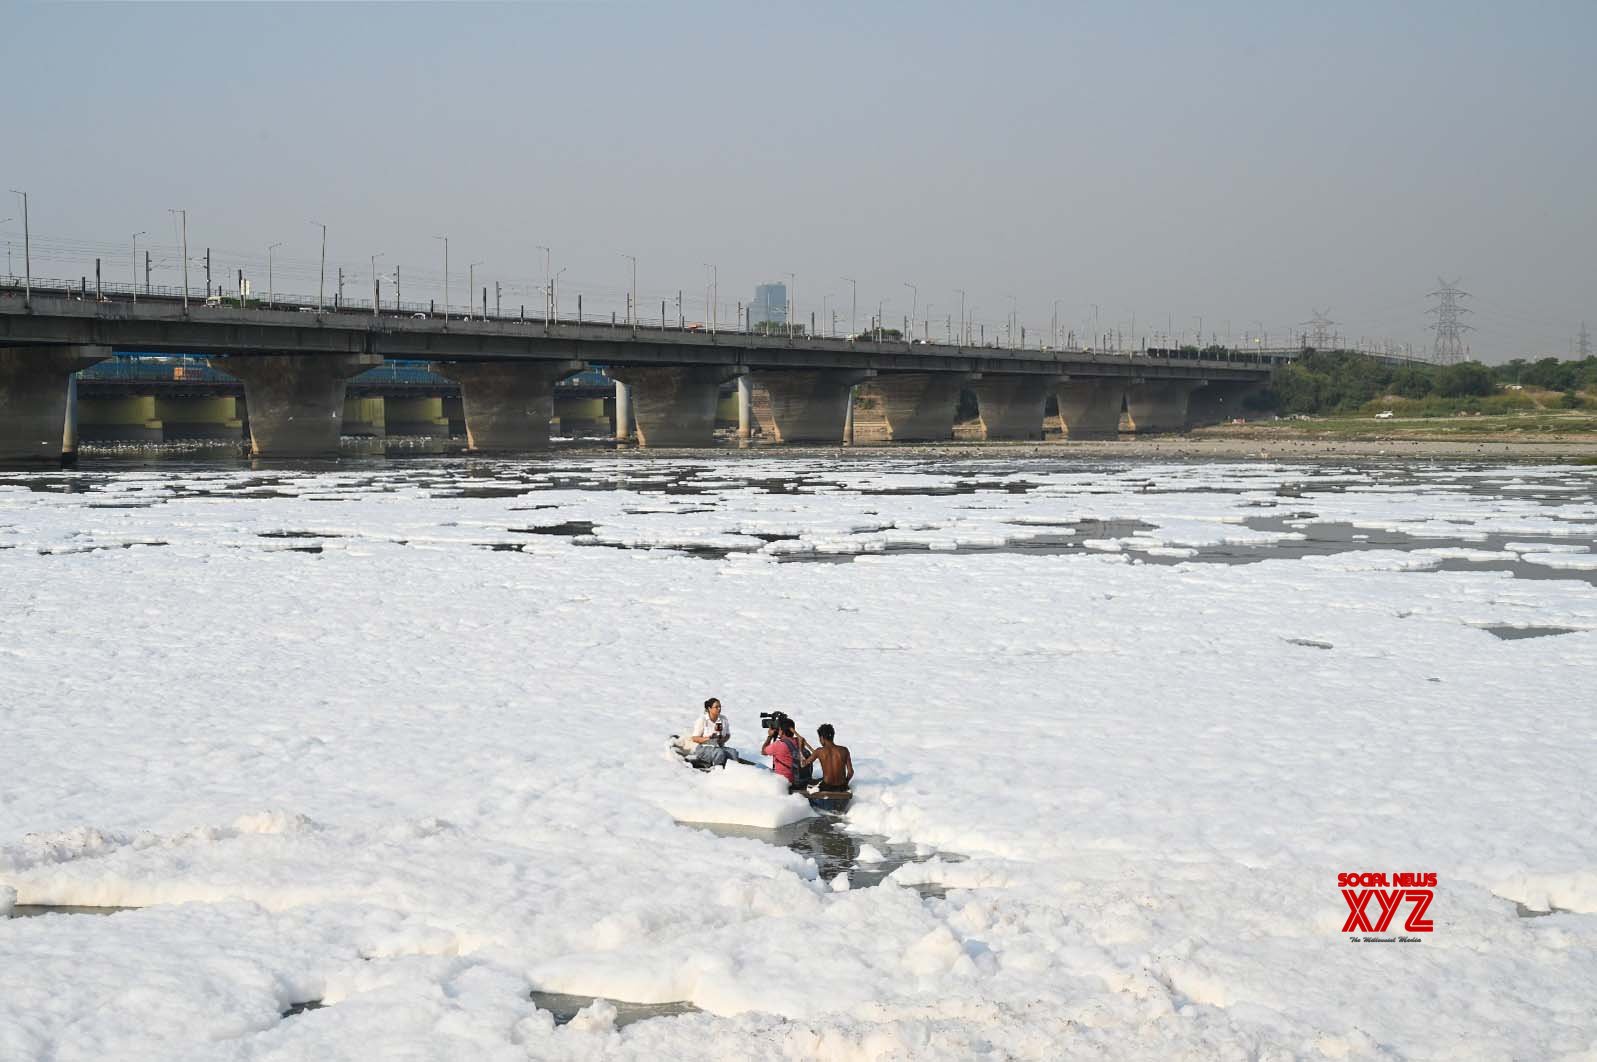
pixel 833 801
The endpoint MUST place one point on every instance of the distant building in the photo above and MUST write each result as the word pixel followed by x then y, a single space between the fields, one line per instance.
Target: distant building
pixel 769 306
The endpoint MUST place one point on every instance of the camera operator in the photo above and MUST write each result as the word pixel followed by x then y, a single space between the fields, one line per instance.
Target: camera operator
pixel 782 744
pixel 710 735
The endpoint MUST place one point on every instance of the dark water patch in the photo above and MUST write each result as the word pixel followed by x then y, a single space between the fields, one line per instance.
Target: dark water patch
pixel 1310 643
pixel 1510 633
pixel 502 547
pixel 35 910
pixel 1530 912
pixel 298 534
pixel 564 1006
pixel 301 1008
pixel 834 850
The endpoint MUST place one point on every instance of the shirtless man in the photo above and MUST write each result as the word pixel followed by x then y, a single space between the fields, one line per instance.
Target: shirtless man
pixel 837 766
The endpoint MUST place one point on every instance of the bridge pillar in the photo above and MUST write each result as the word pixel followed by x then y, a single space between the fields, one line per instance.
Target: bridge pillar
pixel 1156 406
pixel 1090 408
pixel 1220 401
pixel 1011 407
pixel 35 392
pixel 415 416
pixel 745 406
pixel 366 416
pixel 508 404
pixel 623 412
pixel 199 418
pixel 808 405
pixel 920 406
pixel 674 405
pixel 295 402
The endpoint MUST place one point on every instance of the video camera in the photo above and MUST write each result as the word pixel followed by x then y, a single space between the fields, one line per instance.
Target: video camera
pixel 773 720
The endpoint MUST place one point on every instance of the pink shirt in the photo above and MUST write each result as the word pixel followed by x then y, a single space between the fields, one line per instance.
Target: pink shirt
pixel 781 754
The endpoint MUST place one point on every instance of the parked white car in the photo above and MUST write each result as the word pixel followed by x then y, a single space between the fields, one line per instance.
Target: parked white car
pixel 1385 414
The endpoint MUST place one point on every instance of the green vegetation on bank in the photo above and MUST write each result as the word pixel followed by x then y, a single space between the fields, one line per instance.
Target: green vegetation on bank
pixel 1345 382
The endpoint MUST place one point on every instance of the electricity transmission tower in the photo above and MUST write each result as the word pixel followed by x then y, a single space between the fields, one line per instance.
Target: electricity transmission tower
pixel 1319 335
pixel 1449 348
pixel 1583 345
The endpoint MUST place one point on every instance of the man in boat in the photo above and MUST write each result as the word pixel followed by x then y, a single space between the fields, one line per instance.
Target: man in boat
pixel 837 766
pixel 709 737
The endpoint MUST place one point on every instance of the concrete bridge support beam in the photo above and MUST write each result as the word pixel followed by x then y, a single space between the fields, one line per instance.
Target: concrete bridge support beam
pixel 1011 407
pixel 623 412
pixel 135 419
pixel 295 401
pixel 1090 408
pixel 200 418
pixel 415 416
pixel 674 405
pixel 920 406
pixel 808 405
pixel 508 404
pixel 35 393
pixel 1220 401
pixel 1156 406
pixel 745 406
pixel 365 417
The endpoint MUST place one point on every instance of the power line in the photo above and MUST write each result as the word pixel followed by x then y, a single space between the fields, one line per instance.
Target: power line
pixel 1583 344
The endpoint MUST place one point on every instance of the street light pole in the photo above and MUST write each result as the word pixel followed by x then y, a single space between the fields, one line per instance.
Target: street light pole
pixel 632 299
pixel 27 254
pixel 853 307
pixel 914 305
pixel 136 236
pixel 1055 339
pixel 183 215
pixel 446 274
pixel 471 288
pixel 375 289
pixel 321 283
pixel 554 293
pixel 548 283
pixel 271 295
pixel 792 301
pixel 715 296
pixel 963 338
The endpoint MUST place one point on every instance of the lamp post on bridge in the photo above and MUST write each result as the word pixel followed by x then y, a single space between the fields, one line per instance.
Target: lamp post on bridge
pixel 554 293
pixel 548 282
pixel 792 302
pixel 375 289
pixel 321 283
pixel 446 274
pixel 632 299
pixel 183 215
pixel 853 305
pixel 271 294
pixel 27 254
pixel 914 305
pixel 471 288
pixel 963 338
pixel 136 236
pixel 715 295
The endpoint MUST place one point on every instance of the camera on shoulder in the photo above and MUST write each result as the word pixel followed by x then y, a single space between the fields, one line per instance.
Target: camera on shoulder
pixel 774 720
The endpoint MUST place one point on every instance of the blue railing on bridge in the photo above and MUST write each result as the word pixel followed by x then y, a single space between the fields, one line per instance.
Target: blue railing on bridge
pixel 186 368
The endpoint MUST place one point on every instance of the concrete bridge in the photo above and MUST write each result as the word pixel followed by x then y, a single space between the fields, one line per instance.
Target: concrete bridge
pixel 295 364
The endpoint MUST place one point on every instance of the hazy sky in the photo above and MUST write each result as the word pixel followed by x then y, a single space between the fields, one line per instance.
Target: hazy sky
pixel 1243 162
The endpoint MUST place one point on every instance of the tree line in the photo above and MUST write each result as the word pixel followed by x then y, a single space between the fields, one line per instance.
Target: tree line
pixel 1344 381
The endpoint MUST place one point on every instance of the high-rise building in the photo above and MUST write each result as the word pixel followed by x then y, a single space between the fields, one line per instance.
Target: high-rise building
pixel 769 305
